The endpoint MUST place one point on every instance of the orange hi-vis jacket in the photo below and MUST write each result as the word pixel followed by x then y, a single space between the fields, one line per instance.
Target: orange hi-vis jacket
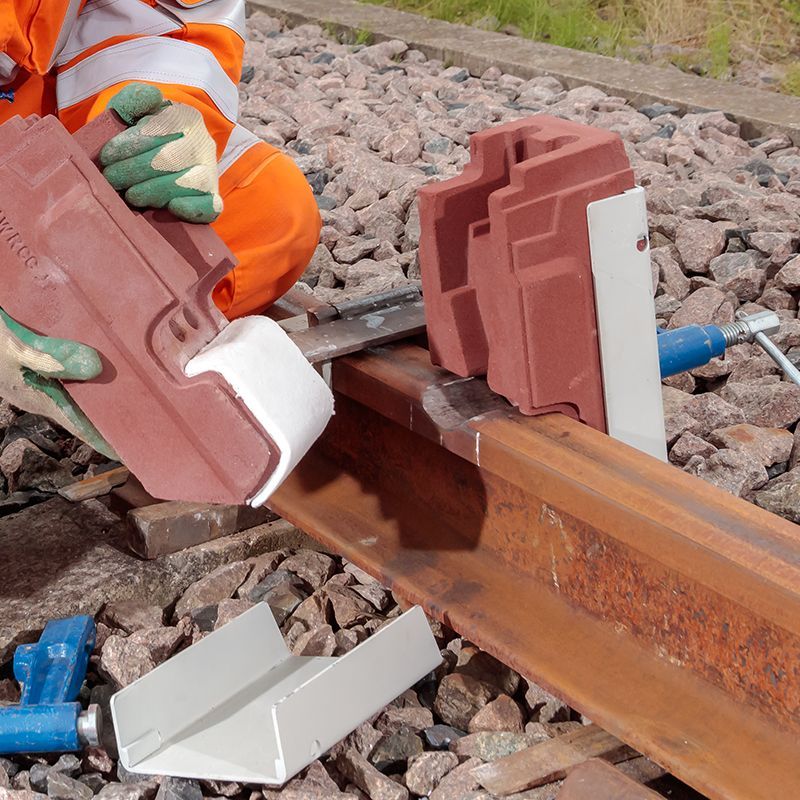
pixel 69 57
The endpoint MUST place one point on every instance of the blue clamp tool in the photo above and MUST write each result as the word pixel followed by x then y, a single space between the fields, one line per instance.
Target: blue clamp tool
pixel 49 719
pixel 695 345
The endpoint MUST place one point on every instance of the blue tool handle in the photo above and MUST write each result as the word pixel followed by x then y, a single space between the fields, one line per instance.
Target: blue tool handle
pixel 53 669
pixel 40 729
pixel 686 348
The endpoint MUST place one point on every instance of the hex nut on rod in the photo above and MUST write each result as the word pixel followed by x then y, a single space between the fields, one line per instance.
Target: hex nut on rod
pixel 757 328
pixel 746 328
pixel 90 726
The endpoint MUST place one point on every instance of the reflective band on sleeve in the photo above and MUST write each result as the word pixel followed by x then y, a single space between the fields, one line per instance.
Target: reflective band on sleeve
pixel 153 59
pixel 239 142
pixel 228 13
pixel 67 24
pixel 8 69
pixel 104 19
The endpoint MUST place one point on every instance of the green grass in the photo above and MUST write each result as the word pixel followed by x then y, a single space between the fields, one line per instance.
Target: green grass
pixel 710 36
pixel 363 36
pixel 718 42
pixel 791 81
pixel 792 9
pixel 569 23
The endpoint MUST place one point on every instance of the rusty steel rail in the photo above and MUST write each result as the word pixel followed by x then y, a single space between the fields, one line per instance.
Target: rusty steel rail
pixel 664 609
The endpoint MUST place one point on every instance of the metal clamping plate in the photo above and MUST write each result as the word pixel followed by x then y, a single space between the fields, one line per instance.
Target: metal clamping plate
pixel 237 706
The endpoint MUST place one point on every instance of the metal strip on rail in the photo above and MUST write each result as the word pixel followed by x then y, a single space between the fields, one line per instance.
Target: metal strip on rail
pixel 661 607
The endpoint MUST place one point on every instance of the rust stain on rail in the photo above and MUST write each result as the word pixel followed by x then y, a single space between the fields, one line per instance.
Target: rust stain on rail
pixel 664 609
pixel 681 620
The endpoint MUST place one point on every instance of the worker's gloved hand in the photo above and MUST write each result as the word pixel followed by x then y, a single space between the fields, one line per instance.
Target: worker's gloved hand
pixel 30 366
pixel 167 159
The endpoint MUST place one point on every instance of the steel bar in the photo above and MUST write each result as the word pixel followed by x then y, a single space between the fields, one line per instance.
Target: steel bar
pixel 371 328
pixel 597 780
pixel 96 486
pixel 298 303
pixel 777 355
pixel 165 528
pixel 550 761
pixel 758 328
pixel 661 607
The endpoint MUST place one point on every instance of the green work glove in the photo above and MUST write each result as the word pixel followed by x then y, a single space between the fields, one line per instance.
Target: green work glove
pixel 30 366
pixel 167 159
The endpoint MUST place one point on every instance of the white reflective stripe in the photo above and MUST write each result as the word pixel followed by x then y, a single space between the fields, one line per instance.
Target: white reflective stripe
pixel 154 59
pixel 104 19
pixel 67 25
pixel 240 141
pixel 229 13
pixel 8 69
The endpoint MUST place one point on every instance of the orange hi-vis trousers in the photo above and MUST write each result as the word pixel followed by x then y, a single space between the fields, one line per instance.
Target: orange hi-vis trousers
pixel 69 57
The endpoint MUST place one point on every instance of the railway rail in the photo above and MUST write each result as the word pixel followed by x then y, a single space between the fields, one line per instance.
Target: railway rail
pixel 657 605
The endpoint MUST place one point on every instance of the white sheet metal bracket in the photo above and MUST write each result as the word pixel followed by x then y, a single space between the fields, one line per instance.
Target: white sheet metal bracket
pixel 237 706
pixel 287 396
pixel 626 321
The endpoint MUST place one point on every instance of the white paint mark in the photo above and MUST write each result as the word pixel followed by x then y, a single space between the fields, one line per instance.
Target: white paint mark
pixel 550 515
pixel 374 321
pixel 554 568
pixel 457 380
pixel 478 448
pixel 665 655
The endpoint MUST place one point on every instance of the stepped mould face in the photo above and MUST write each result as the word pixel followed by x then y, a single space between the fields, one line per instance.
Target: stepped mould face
pixel 505 257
